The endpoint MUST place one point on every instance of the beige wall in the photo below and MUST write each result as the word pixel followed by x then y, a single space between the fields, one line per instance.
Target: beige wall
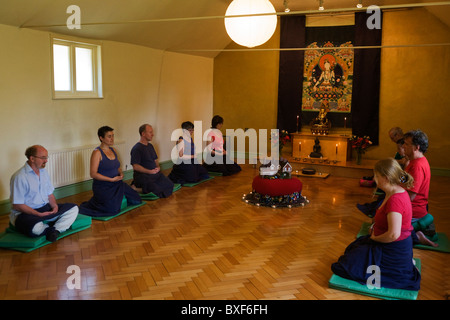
pixel 186 94
pixel 246 86
pixel 139 85
pixel 414 84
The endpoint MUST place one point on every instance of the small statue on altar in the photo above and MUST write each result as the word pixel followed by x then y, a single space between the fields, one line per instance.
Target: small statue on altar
pixel 316 149
pixel 320 124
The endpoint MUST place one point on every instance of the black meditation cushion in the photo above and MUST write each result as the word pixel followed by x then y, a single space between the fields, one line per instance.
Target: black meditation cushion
pixel 308 171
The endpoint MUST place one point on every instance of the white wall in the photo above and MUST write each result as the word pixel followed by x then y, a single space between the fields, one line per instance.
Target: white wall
pixel 140 85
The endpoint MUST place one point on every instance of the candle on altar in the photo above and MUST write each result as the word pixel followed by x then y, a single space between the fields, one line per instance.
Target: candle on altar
pixel 299 146
pixel 345 122
pixel 336 148
pixel 297 121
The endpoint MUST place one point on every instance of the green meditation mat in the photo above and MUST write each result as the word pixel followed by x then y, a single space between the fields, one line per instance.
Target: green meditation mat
pixel 364 231
pixel 347 285
pixel 124 209
pixel 215 174
pixel 151 196
pixel 442 240
pixel 12 239
pixel 196 183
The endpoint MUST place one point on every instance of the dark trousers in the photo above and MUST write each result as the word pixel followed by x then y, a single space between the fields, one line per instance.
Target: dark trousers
pixel 25 222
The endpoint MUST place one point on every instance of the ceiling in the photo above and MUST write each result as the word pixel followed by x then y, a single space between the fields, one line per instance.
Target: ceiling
pixel 119 20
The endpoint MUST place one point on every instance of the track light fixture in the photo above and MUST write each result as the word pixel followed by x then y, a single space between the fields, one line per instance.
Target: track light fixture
pixel 321 7
pixel 286 6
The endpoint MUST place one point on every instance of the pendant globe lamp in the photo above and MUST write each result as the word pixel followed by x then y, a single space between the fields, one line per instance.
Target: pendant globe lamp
pixel 250 31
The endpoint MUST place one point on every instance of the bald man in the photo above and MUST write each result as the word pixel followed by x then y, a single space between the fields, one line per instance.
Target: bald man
pixel 147 175
pixel 34 208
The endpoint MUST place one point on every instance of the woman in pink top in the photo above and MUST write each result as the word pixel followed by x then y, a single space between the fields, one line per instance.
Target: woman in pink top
pixel 389 244
pixel 217 158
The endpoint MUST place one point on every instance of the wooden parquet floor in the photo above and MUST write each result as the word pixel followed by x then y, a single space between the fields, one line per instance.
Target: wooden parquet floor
pixel 205 243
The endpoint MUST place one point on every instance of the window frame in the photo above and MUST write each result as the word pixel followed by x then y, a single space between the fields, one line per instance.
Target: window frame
pixel 97 91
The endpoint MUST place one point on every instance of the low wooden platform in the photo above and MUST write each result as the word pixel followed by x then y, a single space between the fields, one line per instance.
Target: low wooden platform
pixel 205 243
pixel 319 175
pixel 348 169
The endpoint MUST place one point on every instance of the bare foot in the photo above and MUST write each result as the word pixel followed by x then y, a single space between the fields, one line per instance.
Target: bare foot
pixel 424 240
pixel 139 190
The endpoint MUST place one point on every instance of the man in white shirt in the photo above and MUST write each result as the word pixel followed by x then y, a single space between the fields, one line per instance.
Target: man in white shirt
pixel 34 208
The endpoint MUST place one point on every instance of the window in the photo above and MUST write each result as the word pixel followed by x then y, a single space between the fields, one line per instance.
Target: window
pixel 76 69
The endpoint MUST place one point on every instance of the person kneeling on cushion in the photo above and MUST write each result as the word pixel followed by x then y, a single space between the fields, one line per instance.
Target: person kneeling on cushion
pixel 108 186
pixel 147 175
pixel 416 144
pixel 389 246
pixel 186 168
pixel 34 208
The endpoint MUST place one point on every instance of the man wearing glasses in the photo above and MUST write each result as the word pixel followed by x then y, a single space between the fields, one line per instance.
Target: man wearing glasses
pixel 416 144
pixel 34 208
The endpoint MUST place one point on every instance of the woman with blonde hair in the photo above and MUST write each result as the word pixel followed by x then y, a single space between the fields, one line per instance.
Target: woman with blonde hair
pixel 389 245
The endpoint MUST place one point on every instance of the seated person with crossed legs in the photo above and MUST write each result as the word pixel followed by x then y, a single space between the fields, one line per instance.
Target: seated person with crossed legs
pixel 35 211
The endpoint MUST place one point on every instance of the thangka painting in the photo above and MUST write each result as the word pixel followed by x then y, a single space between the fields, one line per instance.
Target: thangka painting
pixel 328 76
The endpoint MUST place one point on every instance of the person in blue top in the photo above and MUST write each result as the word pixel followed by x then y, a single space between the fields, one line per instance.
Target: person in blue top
pixel 35 211
pixel 187 169
pixel 108 186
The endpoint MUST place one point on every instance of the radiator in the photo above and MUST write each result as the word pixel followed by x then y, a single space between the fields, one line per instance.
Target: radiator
pixel 72 165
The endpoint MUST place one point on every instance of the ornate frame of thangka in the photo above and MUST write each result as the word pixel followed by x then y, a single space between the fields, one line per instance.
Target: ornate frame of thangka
pixel 328 76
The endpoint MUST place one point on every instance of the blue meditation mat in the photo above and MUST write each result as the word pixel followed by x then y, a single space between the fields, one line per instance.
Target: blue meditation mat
pixel 122 211
pixel 339 283
pixel 192 184
pixel 12 239
pixel 151 196
pixel 442 241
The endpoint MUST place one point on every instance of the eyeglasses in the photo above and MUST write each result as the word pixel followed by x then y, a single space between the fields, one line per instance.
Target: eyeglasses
pixel 42 158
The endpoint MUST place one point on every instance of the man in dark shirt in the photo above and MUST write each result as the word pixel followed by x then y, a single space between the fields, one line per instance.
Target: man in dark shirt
pixel 147 174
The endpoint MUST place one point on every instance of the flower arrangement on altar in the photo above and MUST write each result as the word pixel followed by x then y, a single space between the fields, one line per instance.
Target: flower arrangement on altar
pixel 282 137
pixel 360 144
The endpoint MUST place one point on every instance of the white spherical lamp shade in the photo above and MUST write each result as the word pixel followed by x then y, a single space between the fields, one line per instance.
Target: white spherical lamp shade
pixel 250 31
